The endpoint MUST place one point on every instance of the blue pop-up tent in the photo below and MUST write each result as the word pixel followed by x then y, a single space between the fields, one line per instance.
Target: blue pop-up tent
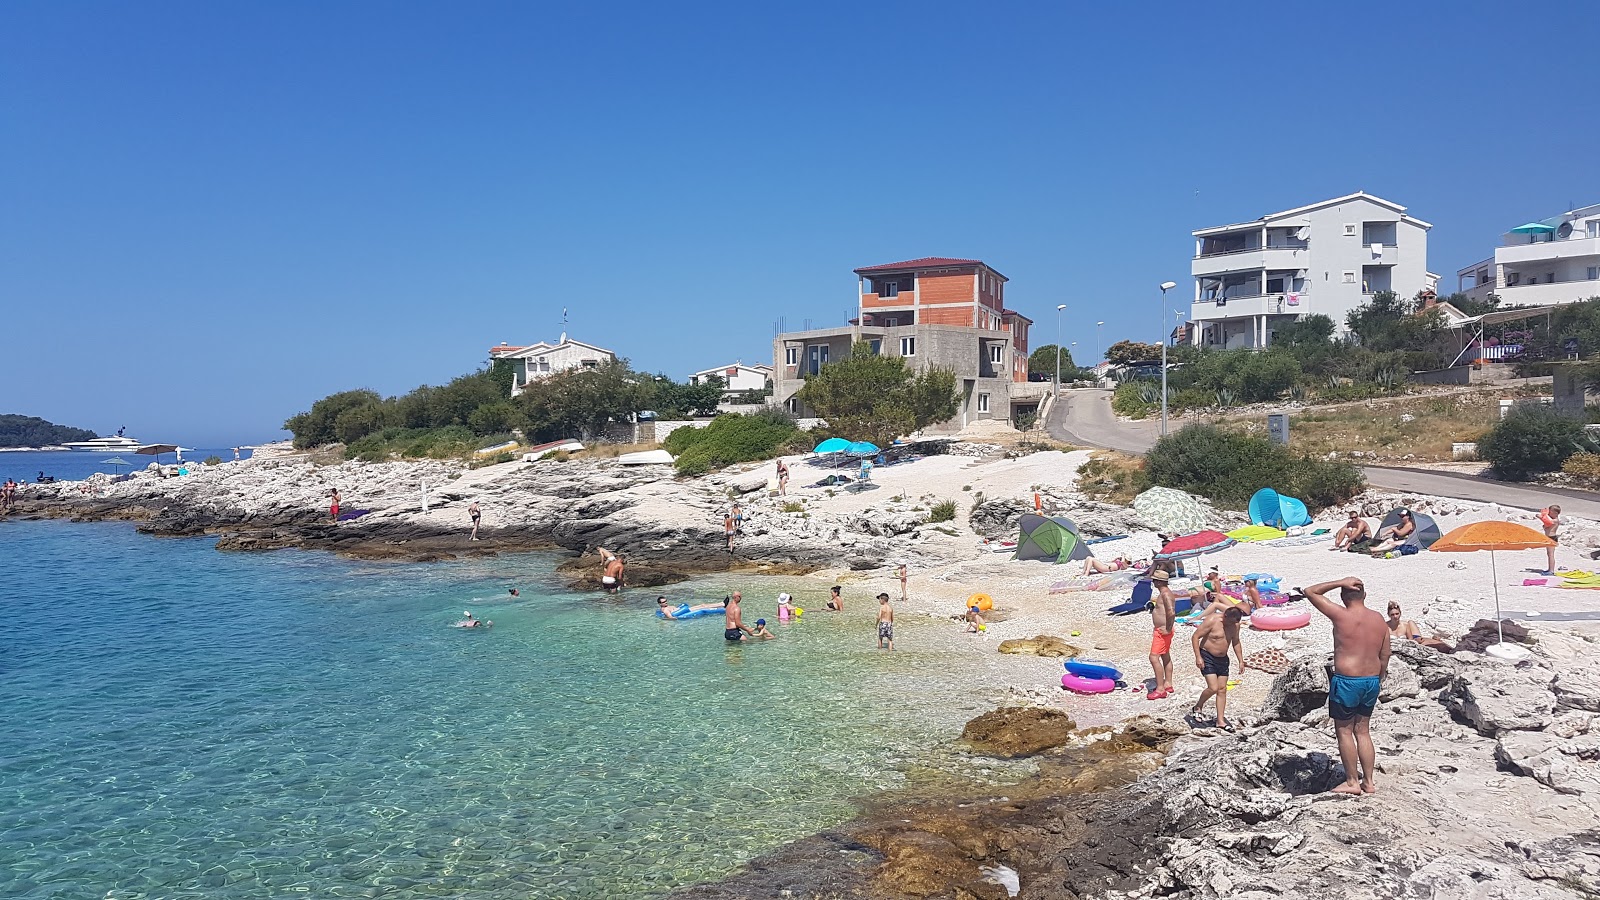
pixel 1268 507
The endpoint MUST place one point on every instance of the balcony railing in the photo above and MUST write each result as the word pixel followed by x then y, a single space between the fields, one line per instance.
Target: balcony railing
pixel 1272 245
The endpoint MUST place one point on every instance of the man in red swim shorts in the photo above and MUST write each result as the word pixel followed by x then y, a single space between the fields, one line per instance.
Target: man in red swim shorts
pixel 1162 615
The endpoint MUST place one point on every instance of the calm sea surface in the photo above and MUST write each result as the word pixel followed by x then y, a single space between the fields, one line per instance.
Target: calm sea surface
pixel 25 465
pixel 180 722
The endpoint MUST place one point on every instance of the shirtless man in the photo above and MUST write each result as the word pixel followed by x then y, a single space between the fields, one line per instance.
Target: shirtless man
pixel 885 623
pixel 1360 660
pixel 1353 531
pixel 1212 640
pixel 733 627
pixel 612 579
pixel 1550 519
pixel 1162 614
pixel 333 506
pixel 477 518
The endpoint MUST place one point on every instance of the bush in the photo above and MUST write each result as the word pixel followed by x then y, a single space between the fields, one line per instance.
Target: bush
pixel 1113 477
pixel 213 460
pixel 731 439
pixel 1227 467
pixel 1584 464
pixel 1129 400
pixel 1531 440
pixel 434 443
pixel 943 511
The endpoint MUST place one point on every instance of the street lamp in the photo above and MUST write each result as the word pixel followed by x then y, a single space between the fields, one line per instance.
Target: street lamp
pixel 1099 343
pixel 1059 308
pixel 1165 286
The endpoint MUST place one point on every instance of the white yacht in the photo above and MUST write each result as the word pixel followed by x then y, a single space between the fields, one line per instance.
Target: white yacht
pixel 114 443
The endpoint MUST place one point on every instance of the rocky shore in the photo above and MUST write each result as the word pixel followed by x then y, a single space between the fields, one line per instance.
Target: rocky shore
pixel 1488 788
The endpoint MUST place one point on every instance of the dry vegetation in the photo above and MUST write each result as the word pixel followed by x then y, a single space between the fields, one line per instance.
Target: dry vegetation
pixel 1415 429
pixel 1111 476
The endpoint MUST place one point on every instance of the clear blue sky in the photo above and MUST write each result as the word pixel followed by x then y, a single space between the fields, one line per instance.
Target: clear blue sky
pixel 213 214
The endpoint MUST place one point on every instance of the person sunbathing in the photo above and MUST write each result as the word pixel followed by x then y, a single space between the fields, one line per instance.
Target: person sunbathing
pixel 1395 535
pixel 1092 566
pixel 1353 532
pixel 1407 630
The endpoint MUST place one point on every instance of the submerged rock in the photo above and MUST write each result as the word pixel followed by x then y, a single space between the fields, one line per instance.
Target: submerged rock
pixel 1046 645
pixel 1012 731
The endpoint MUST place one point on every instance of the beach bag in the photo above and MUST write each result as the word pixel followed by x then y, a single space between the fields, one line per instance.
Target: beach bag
pixel 1409 549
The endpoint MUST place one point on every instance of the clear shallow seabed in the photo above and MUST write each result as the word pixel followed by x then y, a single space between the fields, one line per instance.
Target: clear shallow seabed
pixel 186 723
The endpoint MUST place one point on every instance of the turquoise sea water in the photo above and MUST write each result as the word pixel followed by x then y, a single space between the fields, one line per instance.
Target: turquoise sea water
pixel 76 465
pixel 186 723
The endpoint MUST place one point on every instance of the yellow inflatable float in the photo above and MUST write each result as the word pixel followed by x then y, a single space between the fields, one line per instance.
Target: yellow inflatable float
pixel 983 602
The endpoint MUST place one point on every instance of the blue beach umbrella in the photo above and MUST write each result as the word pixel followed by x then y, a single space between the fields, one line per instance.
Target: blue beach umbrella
pixel 117 461
pixel 862 448
pixel 832 445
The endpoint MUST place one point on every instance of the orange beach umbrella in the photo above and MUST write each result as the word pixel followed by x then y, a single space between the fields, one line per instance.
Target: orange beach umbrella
pixel 1493 536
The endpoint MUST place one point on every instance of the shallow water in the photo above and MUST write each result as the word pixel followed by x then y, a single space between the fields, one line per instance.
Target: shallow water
pixel 188 723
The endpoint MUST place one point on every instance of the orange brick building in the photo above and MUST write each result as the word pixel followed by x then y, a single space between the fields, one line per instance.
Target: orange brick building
pixel 937 312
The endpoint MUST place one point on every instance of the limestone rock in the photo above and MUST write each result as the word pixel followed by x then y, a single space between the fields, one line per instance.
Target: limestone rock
pixel 1047 645
pixel 1302 689
pixel 1495 699
pixel 1578 688
pixel 997 518
pixel 1012 731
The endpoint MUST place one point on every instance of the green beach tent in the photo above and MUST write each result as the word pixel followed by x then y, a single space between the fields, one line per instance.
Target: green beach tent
pixel 1053 538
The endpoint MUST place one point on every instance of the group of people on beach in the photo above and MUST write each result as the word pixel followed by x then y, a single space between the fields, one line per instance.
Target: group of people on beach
pixel 1356 536
pixel 735 630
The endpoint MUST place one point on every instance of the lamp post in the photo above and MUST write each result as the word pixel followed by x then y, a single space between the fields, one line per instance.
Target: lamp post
pixel 1165 286
pixel 1099 343
pixel 1059 308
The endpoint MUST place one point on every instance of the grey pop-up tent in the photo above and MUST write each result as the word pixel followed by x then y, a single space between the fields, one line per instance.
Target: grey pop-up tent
pixel 1427 530
pixel 1052 538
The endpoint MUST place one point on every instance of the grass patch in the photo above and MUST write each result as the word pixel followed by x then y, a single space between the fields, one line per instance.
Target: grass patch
pixel 943 511
pixel 1113 477
pixel 794 506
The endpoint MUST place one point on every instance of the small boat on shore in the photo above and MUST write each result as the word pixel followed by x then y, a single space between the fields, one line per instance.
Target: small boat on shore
pixel 645 458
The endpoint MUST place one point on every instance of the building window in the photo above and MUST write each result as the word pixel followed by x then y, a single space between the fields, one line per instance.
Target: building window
pixel 908 346
pixel 794 406
pixel 889 289
pixel 1349 278
pixel 1592 228
pixel 1594 273
pixel 891 321
pixel 983 403
pixel 1349 229
pixel 995 351
pixel 791 356
pixel 876 346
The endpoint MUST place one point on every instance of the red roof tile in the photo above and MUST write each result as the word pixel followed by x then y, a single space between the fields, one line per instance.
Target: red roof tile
pixel 503 348
pixel 927 262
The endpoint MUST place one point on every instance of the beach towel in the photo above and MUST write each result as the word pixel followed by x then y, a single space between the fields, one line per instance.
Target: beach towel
pixel 1271 661
pixel 349 514
pixel 1299 541
pixel 1256 533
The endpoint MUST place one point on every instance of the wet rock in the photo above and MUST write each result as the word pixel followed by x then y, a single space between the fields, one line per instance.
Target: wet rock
pixel 1012 731
pixel 1047 645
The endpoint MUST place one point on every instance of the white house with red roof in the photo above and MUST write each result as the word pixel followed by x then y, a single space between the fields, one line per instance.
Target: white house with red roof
pixel 544 359
pixel 737 377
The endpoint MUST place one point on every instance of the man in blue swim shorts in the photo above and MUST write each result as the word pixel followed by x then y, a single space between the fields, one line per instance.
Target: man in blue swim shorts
pixel 1360 660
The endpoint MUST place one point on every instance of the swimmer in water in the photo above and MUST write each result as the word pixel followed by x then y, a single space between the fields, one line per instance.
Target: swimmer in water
pixel 761 631
pixel 472 621
pixel 514 592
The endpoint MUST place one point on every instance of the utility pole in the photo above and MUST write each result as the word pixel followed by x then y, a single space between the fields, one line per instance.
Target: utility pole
pixel 1165 286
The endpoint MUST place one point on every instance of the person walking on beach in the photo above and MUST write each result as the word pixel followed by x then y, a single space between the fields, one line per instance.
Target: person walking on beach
pixel 733 627
pixel 885 623
pixel 1212 641
pixel 729 528
pixel 783 479
pixel 612 579
pixel 1162 615
pixel 477 517
pixel 1360 660
pixel 901 571
pixel 333 507
pixel 1550 518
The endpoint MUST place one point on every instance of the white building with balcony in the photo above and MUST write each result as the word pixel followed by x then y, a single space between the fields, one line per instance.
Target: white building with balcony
pixel 1543 263
pixel 1326 258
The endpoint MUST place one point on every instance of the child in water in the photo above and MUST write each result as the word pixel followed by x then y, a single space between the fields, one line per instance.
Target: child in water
pixel 761 632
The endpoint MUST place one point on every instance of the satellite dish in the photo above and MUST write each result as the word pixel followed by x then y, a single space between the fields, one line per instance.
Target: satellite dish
pixel 1303 233
pixel 1564 232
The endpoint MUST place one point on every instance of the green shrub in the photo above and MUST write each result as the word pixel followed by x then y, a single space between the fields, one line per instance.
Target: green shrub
pixel 1227 467
pixel 433 443
pixel 1531 440
pixel 494 459
pixel 1025 420
pixel 943 511
pixel 213 460
pixel 731 439
pixel 1129 399
pixel 794 506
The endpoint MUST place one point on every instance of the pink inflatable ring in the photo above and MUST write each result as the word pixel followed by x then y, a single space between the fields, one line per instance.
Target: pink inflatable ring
pixel 1081 685
pixel 1281 618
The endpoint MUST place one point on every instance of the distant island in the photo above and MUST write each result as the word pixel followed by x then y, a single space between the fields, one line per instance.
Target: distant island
pixel 32 431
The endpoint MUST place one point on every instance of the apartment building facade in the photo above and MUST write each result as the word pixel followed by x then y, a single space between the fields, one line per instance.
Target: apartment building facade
pixel 936 312
pixel 1543 263
pixel 1328 258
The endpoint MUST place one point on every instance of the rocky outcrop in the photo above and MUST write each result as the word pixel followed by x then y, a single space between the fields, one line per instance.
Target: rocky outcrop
pixel 997 518
pixel 1046 645
pixel 1012 731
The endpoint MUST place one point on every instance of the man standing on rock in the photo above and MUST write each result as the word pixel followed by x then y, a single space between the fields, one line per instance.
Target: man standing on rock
pixel 333 508
pixel 612 579
pixel 729 528
pixel 1212 641
pixel 733 627
pixel 1162 615
pixel 1360 660
pixel 477 517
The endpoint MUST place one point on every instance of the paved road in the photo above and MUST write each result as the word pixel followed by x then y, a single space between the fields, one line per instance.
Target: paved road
pixel 1084 417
